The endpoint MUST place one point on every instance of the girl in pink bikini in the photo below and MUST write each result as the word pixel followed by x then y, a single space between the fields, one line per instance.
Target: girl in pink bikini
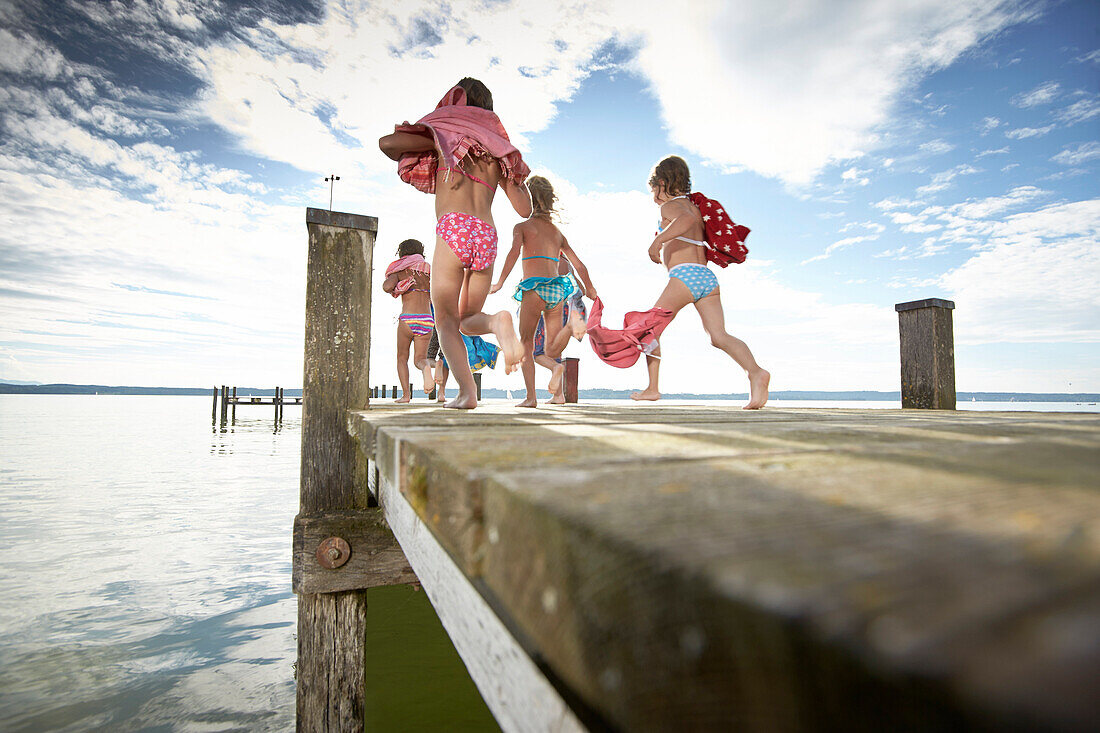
pixel 461 153
pixel 407 278
pixel 679 242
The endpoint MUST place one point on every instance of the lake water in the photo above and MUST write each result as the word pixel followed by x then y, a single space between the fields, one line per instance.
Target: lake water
pixel 146 575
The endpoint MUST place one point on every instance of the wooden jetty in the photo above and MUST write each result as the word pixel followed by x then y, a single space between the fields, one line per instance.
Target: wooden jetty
pixel 656 568
pixel 229 400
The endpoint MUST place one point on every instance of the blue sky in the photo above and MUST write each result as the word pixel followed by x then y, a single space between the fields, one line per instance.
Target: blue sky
pixel 156 159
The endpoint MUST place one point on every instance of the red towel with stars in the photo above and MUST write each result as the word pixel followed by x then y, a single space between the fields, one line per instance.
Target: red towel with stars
pixel 725 239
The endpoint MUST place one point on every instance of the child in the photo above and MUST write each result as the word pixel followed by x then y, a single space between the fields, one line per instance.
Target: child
pixel 574 318
pixel 407 278
pixel 543 290
pixel 461 152
pixel 680 243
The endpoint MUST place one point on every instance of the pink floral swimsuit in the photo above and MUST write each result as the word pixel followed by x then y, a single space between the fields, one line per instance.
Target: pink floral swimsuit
pixel 472 240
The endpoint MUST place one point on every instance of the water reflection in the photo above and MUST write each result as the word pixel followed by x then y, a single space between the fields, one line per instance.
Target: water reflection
pixel 146 577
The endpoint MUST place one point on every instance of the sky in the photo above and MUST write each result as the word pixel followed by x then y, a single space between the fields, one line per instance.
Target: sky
pixel 157 157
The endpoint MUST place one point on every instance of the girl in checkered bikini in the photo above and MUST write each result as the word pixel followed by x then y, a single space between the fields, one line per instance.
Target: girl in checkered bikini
pixel 679 242
pixel 542 290
pixel 461 153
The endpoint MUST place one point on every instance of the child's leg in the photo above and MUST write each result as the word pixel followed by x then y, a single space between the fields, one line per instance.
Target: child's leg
pixel 530 310
pixel 476 323
pixel 557 396
pixel 447 278
pixel 404 340
pixel 714 321
pixel 420 359
pixel 441 380
pixel 557 338
pixel 674 297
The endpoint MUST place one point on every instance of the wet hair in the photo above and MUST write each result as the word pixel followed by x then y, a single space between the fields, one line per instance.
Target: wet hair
pixel 477 94
pixel 410 247
pixel 543 197
pixel 673 173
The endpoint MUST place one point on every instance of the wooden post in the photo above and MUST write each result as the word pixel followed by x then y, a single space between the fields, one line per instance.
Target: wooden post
pixel 332 626
pixel 384 391
pixel 275 401
pixel 572 369
pixel 477 382
pixel 927 354
pixel 395 391
pixel 234 416
pixel 225 405
pixel 214 410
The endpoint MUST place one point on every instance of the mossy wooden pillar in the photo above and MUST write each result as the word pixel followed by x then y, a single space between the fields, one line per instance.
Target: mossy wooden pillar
pixel 332 626
pixel 927 354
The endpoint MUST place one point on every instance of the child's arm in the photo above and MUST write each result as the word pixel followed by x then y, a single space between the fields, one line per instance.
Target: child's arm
pixel 397 144
pixel 581 270
pixel 391 282
pixel 679 226
pixel 510 260
pixel 518 196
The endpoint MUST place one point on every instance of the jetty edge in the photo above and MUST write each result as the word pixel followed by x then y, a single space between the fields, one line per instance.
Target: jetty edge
pixel 658 568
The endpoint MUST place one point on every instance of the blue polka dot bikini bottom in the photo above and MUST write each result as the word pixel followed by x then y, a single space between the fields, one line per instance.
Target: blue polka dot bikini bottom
pixel 698 279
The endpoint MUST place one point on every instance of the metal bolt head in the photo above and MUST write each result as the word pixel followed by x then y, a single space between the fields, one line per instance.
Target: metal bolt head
pixel 333 552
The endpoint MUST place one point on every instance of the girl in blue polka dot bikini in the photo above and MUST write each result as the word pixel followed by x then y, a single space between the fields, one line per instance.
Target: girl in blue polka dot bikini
pixel 679 243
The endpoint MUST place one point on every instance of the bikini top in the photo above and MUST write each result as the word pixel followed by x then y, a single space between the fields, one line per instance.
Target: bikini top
pixel 472 177
pixel 540 257
pixel 696 242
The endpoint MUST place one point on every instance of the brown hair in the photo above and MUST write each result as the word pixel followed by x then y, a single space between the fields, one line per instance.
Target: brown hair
pixel 477 94
pixel 410 247
pixel 673 174
pixel 543 197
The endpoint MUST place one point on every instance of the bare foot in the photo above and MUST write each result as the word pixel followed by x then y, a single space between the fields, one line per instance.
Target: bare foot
pixel 403 399
pixel 529 402
pixel 555 378
pixel 463 402
pixel 557 399
pixel 509 342
pixel 758 389
pixel 439 377
pixel 441 399
pixel 646 394
pixel 429 380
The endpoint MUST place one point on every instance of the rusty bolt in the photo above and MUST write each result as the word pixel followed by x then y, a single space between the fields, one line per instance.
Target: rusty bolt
pixel 333 552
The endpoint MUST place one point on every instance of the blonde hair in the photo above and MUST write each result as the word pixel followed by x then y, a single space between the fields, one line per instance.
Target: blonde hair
pixel 543 197
pixel 672 172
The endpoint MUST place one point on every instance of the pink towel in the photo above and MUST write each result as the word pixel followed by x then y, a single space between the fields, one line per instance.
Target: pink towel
pixel 458 129
pixel 639 334
pixel 416 263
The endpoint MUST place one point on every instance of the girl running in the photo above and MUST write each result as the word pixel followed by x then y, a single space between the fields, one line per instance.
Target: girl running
pixel 679 245
pixel 462 154
pixel 407 278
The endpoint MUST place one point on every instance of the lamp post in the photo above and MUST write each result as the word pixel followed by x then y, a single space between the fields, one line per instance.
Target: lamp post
pixel 331 181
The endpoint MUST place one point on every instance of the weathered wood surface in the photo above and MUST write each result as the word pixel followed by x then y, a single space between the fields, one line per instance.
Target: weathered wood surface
pixel 376 558
pixel 332 626
pixel 513 687
pixel 927 354
pixel 330 680
pixel 701 568
pixel 337 347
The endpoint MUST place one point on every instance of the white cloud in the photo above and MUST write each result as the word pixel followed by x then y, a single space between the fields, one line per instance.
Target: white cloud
pixel 936 147
pixel 839 245
pixel 855 175
pixel 998 151
pixel 1042 94
pixel 1078 154
pixel 1035 279
pixel 1026 132
pixel 988 124
pixel 1080 111
pixel 942 180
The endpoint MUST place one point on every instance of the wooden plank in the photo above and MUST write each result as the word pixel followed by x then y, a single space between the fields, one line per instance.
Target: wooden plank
pixel 376 558
pixel 783 570
pixel 516 691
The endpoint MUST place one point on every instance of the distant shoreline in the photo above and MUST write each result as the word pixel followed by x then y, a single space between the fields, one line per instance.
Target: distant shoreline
pixel 592 394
